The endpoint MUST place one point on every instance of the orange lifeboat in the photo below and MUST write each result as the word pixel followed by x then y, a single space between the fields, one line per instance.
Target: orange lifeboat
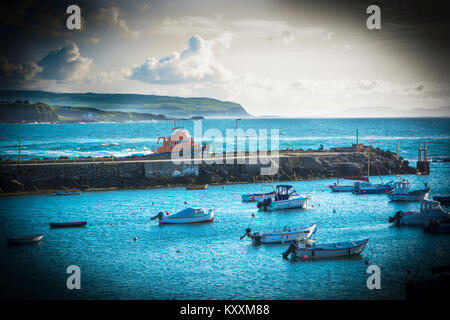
pixel 180 137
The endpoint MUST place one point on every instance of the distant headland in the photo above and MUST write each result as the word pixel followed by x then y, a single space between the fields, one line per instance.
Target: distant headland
pixel 43 106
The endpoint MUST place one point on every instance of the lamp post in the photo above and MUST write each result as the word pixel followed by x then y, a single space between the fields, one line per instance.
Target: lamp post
pixel 19 144
pixel 236 135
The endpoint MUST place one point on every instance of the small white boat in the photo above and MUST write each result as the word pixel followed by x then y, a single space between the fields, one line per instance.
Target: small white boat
pixel 285 198
pixel 25 240
pixel 188 215
pixel 281 236
pixel 429 209
pixel 308 249
pixel 401 192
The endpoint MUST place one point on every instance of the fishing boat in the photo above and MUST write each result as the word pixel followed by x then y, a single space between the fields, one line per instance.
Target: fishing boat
pixel 255 197
pixel 401 192
pixel 309 249
pixel 197 187
pixel 188 215
pixel 54 225
pixel 280 236
pixel 373 189
pixel 68 193
pixel 285 198
pixel 437 226
pixel 25 240
pixel 429 209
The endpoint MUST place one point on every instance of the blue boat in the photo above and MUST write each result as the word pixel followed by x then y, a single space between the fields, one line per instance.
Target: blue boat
pixel 373 189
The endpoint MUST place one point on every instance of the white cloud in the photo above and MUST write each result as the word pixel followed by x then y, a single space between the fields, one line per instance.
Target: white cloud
pixel 65 63
pixel 196 63
pixel 113 16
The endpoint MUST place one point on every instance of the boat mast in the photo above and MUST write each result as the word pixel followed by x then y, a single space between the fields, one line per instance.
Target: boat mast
pixel 368 166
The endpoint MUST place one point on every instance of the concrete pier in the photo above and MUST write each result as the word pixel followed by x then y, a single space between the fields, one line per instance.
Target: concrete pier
pixel 148 172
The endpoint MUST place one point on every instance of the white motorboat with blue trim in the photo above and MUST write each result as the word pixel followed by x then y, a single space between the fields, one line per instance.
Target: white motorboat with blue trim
pixel 285 198
pixel 188 215
pixel 281 236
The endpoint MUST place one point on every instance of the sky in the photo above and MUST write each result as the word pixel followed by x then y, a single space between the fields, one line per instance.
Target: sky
pixel 285 57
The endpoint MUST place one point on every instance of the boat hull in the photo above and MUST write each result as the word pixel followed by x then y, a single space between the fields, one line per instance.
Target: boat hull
pixel 341 188
pixel 407 197
pixel 208 217
pixel 25 240
pixel 420 220
pixel 296 203
pixel 374 190
pixel 55 225
pixel 284 236
pixel 197 187
pixel 332 250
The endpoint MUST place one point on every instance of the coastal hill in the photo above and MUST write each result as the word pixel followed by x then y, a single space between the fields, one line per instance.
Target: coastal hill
pixel 140 103
pixel 23 111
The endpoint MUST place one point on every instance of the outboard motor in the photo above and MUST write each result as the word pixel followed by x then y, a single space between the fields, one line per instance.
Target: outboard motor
pixel 397 217
pixel 248 233
pixel 266 202
pixel 292 247
pixel 160 215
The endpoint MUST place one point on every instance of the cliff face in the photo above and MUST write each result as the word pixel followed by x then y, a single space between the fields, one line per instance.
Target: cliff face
pixel 18 112
pixel 164 105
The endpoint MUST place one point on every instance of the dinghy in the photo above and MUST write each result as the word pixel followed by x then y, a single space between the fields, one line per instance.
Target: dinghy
pixel 25 240
pixel 54 225
pixel 285 198
pixel 68 193
pixel 308 249
pixel 197 187
pixel 280 236
pixel 188 215
pixel 429 209
pixel 401 192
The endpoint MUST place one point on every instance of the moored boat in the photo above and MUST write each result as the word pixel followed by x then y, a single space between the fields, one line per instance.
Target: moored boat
pixel 79 224
pixel 429 209
pixel 307 249
pixel 373 189
pixel 280 236
pixel 336 187
pixel 285 198
pixel 401 192
pixel 68 193
pixel 197 187
pixel 25 240
pixel 254 197
pixel 188 215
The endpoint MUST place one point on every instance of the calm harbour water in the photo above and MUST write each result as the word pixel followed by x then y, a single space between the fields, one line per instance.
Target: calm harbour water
pixel 213 263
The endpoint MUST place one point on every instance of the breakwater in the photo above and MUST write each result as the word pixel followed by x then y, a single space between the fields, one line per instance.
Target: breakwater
pixel 148 172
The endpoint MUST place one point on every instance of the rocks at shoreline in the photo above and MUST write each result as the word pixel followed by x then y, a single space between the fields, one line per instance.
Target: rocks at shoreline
pixel 132 174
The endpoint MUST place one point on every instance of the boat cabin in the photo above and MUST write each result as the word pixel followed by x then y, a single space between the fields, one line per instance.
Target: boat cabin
pixel 402 186
pixel 283 192
pixel 429 206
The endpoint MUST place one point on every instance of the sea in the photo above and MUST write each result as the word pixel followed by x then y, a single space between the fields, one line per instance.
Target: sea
pixel 122 254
